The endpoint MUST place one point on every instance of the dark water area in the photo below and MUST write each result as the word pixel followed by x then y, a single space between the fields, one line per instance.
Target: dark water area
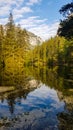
pixel 36 98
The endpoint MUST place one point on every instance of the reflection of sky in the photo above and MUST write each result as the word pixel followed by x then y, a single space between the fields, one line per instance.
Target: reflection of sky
pixel 42 104
pixel 43 97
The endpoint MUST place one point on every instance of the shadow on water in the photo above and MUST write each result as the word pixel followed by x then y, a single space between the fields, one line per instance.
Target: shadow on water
pixel 40 98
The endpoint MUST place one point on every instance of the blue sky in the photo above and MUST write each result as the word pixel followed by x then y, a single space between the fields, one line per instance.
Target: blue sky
pixel 38 16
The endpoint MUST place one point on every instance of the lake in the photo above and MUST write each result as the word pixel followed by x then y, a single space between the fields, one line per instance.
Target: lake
pixel 36 98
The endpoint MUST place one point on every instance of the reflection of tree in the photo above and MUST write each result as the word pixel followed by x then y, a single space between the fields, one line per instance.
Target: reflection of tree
pixel 2 99
pixel 55 78
pixel 66 72
pixel 11 103
pixel 17 95
pixel 66 118
pixel 66 121
pixel 13 77
pixel 59 77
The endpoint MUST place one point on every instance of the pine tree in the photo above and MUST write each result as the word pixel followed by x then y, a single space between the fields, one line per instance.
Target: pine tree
pixel 1 42
pixel 10 27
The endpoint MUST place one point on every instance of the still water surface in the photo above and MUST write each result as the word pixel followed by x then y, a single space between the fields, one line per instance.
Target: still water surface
pixel 36 99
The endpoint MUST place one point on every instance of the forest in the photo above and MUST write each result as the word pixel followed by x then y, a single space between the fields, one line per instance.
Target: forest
pixel 57 50
pixel 36 82
pixel 15 49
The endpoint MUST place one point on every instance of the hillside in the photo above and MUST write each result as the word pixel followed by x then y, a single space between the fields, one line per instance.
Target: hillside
pixel 15 42
pixel 33 39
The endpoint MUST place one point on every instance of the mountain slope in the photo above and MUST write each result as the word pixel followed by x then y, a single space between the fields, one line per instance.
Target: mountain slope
pixel 33 39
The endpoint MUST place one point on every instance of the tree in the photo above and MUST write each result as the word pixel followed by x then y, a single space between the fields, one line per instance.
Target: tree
pixel 66 28
pixel 1 36
pixel 1 42
pixel 67 9
pixel 10 27
pixel 66 25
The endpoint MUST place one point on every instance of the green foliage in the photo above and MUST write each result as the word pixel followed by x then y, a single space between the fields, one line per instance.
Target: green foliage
pixel 13 44
pixel 56 51
pixel 1 44
pixel 66 28
pixel 66 25
pixel 15 48
pixel 67 9
pixel 48 52
pixel 10 28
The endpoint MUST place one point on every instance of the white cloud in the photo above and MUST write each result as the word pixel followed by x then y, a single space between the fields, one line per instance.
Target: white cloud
pixel 32 21
pixel 45 31
pixel 17 16
pixel 3 20
pixel 14 6
pixel 7 5
pixel 34 24
pixel 31 2
pixel 8 2
pixel 4 10
pixel 22 10
pixel 40 27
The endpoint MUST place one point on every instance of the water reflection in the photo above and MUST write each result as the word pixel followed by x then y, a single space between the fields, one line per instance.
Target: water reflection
pixel 36 98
